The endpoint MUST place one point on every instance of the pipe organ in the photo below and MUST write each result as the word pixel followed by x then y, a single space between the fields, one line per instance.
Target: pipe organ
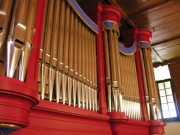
pixel 64 69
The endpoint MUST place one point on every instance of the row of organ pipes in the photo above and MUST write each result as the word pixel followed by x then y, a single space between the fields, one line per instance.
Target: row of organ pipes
pixel 151 92
pixel 67 67
pixel 67 71
pixel 121 76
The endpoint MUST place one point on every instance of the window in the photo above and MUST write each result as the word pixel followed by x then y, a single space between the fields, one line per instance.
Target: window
pixel 168 105
pixel 167 99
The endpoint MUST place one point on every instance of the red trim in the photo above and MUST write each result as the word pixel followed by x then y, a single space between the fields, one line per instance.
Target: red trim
pixel 143 35
pixel 111 13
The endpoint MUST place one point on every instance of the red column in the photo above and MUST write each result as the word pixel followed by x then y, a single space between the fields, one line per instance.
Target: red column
pixel 100 63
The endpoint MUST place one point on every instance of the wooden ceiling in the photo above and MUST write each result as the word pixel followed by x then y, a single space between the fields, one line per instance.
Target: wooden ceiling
pixel 162 17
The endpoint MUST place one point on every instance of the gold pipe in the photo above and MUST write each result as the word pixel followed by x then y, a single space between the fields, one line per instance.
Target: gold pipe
pixel 44 80
pixel 26 50
pixel 47 49
pixel 5 10
pixel 113 69
pixel 107 68
pixel 154 83
pixel 80 51
pixel 79 93
pixel 90 98
pixel 66 40
pixel 91 70
pixel 83 78
pixel 145 83
pixel 39 78
pixel 107 61
pixel 95 69
pixel 74 91
pixel 75 54
pixel 76 43
pixel 70 84
pixel 70 62
pixel 58 86
pixel 86 70
pixel 66 54
pixel 64 88
pixel 16 37
pixel 48 34
pixel 144 73
pixel 72 41
pixel 79 65
pixel 149 83
pixel 96 101
pixel 53 75
pixel 61 35
pixel 87 96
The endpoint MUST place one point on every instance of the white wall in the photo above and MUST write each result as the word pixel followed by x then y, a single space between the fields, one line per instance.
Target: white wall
pixel 172 128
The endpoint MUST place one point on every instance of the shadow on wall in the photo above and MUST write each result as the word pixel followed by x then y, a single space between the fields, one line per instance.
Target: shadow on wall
pixel 172 128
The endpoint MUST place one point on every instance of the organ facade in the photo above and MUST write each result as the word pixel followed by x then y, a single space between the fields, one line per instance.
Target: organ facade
pixel 64 73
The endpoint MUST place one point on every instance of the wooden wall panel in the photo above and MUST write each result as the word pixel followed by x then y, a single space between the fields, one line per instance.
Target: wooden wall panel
pixel 175 76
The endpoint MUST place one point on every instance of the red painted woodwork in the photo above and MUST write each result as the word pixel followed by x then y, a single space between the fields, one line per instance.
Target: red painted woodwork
pixel 49 118
pixel 143 35
pixel 111 13
pixel 100 62
pixel 16 100
pixel 129 127
pixel 157 127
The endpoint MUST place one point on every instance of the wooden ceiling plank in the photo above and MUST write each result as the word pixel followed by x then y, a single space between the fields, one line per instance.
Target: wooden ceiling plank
pixel 146 6
pixel 166 39
pixel 153 15
pixel 175 17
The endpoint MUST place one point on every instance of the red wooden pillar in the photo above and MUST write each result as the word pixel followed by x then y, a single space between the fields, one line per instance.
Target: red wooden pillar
pixel 100 62
pixel 141 35
pixel 16 97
